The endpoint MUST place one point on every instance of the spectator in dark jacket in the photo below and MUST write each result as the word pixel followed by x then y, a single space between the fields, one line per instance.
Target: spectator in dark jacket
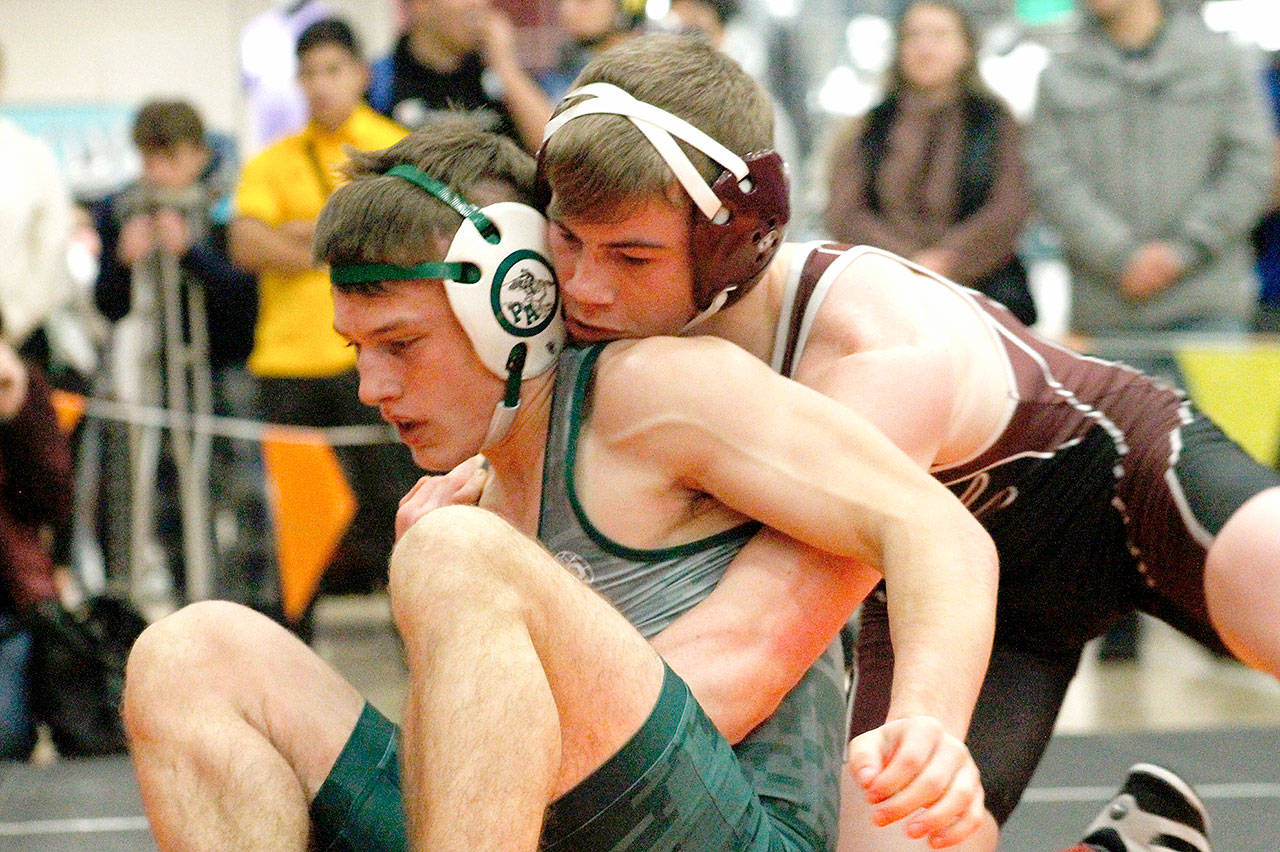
pixel 935 172
pixel 179 209
pixel 179 204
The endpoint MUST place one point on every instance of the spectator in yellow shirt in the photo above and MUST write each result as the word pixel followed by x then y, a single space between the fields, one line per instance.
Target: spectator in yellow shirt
pixel 306 372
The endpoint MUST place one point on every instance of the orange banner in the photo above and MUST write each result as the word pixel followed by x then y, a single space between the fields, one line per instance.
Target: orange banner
pixel 69 408
pixel 312 507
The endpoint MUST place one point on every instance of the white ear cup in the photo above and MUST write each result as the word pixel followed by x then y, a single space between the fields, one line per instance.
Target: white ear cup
pixel 515 299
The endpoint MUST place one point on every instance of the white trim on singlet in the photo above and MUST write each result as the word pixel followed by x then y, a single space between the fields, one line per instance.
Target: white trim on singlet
pixel 1192 524
pixel 1197 530
pixel 1025 454
pixel 1202 536
pixel 1088 409
pixel 846 256
pixel 824 284
pixel 789 289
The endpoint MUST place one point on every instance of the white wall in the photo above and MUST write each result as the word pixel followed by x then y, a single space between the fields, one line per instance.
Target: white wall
pixel 125 51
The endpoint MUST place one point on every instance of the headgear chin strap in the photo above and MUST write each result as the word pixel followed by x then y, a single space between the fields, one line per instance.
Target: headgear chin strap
pixel 500 285
pixel 744 211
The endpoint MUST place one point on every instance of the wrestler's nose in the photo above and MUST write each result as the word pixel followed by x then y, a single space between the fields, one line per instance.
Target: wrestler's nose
pixel 588 282
pixel 378 380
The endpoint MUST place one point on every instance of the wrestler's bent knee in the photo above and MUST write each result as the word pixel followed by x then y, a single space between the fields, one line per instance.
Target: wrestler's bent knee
pixel 183 651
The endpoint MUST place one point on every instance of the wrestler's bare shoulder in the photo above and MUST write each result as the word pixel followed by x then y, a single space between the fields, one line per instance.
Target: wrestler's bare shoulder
pixel 884 311
pixel 653 409
pixel 877 300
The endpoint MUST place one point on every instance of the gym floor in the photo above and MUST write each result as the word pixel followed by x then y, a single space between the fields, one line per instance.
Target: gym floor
pixel 1215 723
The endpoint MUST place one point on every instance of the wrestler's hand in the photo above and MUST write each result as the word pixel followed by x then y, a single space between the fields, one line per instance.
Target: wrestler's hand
pixel 461 486
pixel 912 768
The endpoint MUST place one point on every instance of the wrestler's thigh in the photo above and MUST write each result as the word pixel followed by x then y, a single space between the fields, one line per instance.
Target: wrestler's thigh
pixel 1243 561
pixel 1014 719
pixel 1012 722
pixel 604 676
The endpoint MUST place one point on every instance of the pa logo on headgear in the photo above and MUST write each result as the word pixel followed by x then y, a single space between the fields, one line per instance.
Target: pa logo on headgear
pixel 524 295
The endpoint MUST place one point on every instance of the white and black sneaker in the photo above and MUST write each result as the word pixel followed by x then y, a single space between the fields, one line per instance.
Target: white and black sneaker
pixel 1154 810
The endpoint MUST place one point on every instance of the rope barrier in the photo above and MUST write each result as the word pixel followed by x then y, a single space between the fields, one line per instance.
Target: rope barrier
pixel 237 428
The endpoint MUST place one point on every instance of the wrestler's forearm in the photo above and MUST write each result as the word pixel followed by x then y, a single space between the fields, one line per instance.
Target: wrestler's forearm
pixel 812 469
pixel 941 600
pixel 717 665
pixel 777 608
pixel 939 564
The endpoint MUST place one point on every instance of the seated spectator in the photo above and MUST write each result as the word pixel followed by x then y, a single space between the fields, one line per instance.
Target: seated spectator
pixel 934 172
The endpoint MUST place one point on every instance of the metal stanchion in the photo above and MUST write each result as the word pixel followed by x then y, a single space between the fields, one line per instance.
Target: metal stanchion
pixel 162 350
pixel 137 380
pixel 188 390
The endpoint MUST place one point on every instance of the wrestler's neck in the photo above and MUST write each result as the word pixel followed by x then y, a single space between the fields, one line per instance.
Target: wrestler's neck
pixel 514 488
pixel 752 321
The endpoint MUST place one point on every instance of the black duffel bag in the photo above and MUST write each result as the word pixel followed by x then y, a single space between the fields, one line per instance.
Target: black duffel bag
pixel 77 672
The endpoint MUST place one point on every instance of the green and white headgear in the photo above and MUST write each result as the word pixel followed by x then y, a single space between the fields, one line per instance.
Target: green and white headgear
pixel 499 282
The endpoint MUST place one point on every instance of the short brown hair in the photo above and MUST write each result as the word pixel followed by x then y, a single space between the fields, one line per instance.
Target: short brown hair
pixel 333 31
pixel 373 218
pixel 601 164
pixel 969 78
pixel 162 125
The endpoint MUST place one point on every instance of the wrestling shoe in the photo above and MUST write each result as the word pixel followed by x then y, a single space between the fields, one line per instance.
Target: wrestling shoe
pixel 1154 810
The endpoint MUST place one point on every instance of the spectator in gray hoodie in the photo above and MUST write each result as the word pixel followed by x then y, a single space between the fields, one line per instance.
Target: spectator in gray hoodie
pixel 1150 153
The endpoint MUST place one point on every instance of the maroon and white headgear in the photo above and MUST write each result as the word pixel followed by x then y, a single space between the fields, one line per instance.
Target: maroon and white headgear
pixel 744 210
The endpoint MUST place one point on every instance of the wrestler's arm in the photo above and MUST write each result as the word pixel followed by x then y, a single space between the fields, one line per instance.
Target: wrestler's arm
pixel 900 351
pixel 810 468
pixel 745 645
pixel 773 613
pixel 919 362
pixel 816 472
